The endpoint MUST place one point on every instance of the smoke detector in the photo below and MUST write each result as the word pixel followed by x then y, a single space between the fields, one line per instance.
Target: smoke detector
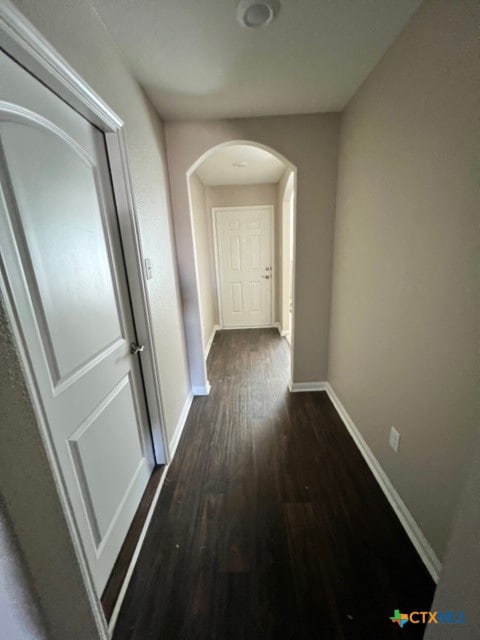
pixel 257 13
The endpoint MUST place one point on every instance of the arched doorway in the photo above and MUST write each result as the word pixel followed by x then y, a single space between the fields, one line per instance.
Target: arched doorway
pixel 238 173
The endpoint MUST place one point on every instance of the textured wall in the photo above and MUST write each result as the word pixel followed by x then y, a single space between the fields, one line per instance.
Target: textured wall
pixel 459 586
pixel 285 193
pixel 29 491
pixel 311 144
pixel 205 256
pixel 30 498
pixel 405 311
pixel 19 612
pixel 76 31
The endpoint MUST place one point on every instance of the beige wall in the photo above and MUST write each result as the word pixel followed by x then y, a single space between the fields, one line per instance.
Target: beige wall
pixel 243 196
pixel 311 144
pixel 459 586
pixel 405 311
pixel 285 208
pixel 19 613
pixel 29 502
pixel 27 486
pixel 202 199
pixel 405 308
pixel 75 30
pixel 204 252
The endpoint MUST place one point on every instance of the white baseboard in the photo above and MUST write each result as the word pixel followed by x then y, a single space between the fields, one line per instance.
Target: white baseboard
pixel 306 386
pixel 173 447
pixel 407 521
pixel 278 326
pixel 180 425
pixel 136 553
pixel 201 390
pixel 216 327
pixel 253 326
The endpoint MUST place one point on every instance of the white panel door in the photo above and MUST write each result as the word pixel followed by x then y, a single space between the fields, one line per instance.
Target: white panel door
pixel 244 264
pixel 62 260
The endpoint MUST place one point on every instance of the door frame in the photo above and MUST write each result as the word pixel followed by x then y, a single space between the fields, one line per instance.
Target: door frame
pixel 28 48
pixel 287 266
pixel 193 323
pixel 271 210
pixel 22 42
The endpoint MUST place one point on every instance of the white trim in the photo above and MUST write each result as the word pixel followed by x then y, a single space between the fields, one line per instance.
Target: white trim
pixel 46 440
pixel 136 553
pixel 22 41
pixel 173 449
pixel 407 521
pixel 194 325
pixel 287 263
pixel 180 424
pixel 200 377
pixel 208 346
pixel 254 326
pixel 291 333
pixel 201 390
pixel 271 210
pixel 295 387
pixel 278 326
pixel 217 270
pixel 25 44
pixel 134 261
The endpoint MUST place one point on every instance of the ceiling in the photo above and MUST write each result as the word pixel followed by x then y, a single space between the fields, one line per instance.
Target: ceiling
pixel 262 167
pixel 195 61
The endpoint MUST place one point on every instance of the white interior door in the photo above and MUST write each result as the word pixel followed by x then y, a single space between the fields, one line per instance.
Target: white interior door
pixel 62 261
pixel 244 266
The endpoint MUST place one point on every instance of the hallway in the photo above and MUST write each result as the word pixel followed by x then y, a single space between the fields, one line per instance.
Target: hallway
pixel 270 524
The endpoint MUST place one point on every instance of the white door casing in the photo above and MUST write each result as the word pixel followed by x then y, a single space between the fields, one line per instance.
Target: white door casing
pixel 62 260
pixel 287 259
pixel 244 262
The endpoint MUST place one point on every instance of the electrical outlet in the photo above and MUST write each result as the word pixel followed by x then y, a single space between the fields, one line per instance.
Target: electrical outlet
pixel 394 439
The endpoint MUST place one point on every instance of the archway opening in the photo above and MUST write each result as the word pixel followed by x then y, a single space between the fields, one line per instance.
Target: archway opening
pixel 242 199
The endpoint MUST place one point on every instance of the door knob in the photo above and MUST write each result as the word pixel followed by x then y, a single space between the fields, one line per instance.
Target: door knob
pixel 136 348
pixel 266 277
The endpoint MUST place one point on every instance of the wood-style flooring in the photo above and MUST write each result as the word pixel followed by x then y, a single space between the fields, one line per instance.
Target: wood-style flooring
pixel 270 524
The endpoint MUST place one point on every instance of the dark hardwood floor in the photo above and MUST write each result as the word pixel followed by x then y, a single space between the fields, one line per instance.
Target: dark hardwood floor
pixel 270 524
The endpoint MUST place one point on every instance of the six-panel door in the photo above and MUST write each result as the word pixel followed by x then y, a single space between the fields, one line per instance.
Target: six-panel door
pixel 244 265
